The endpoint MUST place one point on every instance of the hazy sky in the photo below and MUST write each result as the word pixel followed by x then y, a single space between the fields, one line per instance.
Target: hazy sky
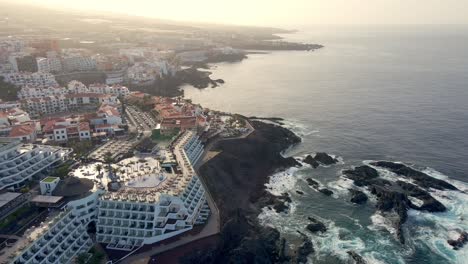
pixel 284 12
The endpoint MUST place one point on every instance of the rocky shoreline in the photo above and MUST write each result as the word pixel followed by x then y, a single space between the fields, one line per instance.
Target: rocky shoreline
pixel 236 178
pixel 395 198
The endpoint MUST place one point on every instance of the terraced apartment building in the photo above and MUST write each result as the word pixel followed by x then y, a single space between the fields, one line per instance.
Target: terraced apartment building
pixel 20 162
pixel 167 201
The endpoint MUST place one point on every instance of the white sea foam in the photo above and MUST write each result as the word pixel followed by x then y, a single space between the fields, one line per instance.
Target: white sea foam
pixel 330 243
pixel 341 187
pixel 283 181
pixel 300 129
pixel 380 222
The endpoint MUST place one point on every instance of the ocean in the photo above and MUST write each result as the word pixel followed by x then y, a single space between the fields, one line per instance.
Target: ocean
pixel 397 93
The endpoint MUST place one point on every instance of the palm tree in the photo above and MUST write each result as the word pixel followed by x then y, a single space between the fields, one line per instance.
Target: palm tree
pixel 108 158
pixel 98 168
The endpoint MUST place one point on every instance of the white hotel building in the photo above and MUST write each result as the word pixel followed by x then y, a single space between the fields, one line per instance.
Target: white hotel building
pixel 143 210
pixel 19 162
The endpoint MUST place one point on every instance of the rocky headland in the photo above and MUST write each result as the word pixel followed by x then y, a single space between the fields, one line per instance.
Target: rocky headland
pixel 236 178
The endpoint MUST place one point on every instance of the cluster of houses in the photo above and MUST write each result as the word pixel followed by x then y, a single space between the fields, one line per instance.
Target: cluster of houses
pixel 59 114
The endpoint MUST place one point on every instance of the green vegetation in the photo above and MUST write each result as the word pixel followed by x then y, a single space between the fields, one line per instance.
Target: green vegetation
pixel 8 91
pixel 81 148
pixel 108 158
pixel 16 220
pixel 95 256
pixel 49 179
pixel 61 171
pixel 157 136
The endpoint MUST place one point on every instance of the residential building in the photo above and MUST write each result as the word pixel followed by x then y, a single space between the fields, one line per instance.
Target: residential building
pixel 74 63
pixel 143 211
pixel 55 104
pixel 37 79
pixel 64 129
pixel 53 65
pixel 20 162
pixel 23 61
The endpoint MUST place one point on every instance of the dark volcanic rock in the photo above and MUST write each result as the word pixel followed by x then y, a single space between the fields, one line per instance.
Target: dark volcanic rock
pixel 420 178
pixel 304 250
pixel 236 179
pixel 362 175
pixel 324 158
pixel 291 162
pixel 312 183
pixel 430 204
pixel 326 191
pixel 358 197
pixel 392 197
pixel 460 242
pixel 389 200
pixel 278 203
pixel 316 226
pixel 356 257
pixel 311 161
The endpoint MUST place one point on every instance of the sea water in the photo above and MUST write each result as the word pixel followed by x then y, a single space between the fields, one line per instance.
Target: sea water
pixel 397 93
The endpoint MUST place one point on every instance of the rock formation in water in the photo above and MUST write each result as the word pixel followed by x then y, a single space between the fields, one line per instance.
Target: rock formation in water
pixel 420 178
pixel 325 159
pixel 358 197
pixel 356 257
pixel 394 199
pixel 325 191
pixel 319 158
pixel 311 161
pixel 316 226
pixel 459 242
pixel 312 183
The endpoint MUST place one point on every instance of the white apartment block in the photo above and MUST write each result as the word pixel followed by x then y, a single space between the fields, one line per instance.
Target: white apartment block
pixel 126 219
pixel 62 103
pixel 78 63
pixel 78 87
pixel 29 92
pixel 106 89
pixel 58 240
pixel 37 79
pixel 19 162
pixel 74 87
pixel 133 217
pixel 49 64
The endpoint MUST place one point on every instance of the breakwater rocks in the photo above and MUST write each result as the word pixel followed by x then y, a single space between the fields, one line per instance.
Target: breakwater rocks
pixel 236 179
pixel 395 198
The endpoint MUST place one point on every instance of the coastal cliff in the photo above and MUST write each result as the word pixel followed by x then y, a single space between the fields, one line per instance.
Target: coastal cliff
pixel 236 179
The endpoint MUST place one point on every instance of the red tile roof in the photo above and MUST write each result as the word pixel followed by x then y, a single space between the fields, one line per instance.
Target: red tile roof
pixel 22 130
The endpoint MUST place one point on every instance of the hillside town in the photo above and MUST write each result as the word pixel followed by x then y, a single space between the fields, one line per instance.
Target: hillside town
pixel 99 171
pixel 99 149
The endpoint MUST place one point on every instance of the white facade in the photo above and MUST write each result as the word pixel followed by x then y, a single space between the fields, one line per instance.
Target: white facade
pixel 79 63
pixel 49 65
pixel 128 220
pixel 48 185
pixel 58 240
pixel 19 162
pixel 56 104
pixel 37 79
